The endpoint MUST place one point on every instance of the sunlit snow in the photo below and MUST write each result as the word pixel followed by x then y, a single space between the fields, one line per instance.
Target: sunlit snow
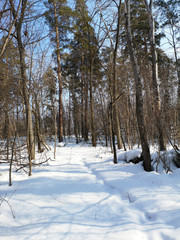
pixel 82 195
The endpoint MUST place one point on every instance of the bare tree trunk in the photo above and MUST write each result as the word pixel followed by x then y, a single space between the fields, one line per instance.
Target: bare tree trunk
pixel 75 115
pixel 38 124
pixel 86 126
pixel 82 88
pixel 55 128
pixel 122 139
pixel 156 94
pixel 115 94
pixel 7 132
pixel 115 116
pixel 59 76
pixel 30 137
pixel 112 133
pixel 117 126
pixel 69 116
pixel 93 133
pixel 11 162
pixel 82 107
pixel 24 79
pixel 104 117
pixel 139 97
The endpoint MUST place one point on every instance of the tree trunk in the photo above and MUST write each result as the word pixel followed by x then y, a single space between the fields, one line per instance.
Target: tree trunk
pixel 86 122
pixel 7 131
pixel 38 124
pixel 139 96
pixel 82 88
pixel 69 117
pixel 104 117
pixel 24 79
pixel 156 94
pixel 60 125
pixel 117 126
pixel 75 115
pixel 115 94
pixel 55 124
pixel 11 161
pixel 112 133
pixel 93 133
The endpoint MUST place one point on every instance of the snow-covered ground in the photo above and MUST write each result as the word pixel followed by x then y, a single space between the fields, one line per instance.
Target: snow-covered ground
pixel 82 195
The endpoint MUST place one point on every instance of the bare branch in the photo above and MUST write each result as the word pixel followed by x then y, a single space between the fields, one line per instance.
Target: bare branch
pixel 106 27
pixel 10 29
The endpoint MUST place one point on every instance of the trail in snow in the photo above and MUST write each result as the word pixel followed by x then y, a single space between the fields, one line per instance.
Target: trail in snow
pixel 75 198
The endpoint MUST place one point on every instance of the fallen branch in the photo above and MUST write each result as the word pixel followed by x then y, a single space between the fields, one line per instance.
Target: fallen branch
pixel 33 164
pixel 167 168
pixel 36 164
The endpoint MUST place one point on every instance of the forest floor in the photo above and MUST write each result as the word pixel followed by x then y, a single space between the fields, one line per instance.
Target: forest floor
pixel 82 195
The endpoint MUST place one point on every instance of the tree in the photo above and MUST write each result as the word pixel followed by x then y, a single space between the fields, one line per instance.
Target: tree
pixel 156 94
pixel 10 28
pixel 83 70
pixel 89 44
pixel 9 92
pixel 139 97
pixel 115 92
pixel 80 42
pixel 59 76
pixel 113 82
pixel 58 18
pixel 24 78
pixel 169 16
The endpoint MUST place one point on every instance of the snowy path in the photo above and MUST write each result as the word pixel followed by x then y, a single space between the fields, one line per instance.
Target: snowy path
pixel 69 200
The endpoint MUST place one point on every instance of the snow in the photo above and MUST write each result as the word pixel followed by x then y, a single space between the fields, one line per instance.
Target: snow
pixel 129 155
pixel 83 195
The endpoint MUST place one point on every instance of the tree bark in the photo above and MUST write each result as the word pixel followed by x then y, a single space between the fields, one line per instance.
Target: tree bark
pixel 115 93
pixel 156 94
pixel 38 124
pixel 24 79
pixel 69 116
pixel 60 125
pixel 86 118
pixel 82 89
pixel 112 133
pixel 75 115
pixel 93 133
pixel 139 96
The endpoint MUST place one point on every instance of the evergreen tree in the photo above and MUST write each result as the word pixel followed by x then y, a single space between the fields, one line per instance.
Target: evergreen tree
pixel 170 18
pixel 58 17
pixel 84 67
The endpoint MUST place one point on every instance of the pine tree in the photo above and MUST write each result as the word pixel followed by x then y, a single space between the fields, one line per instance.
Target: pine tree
pixel 170 17
pixel 84 68
pixel 58 17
